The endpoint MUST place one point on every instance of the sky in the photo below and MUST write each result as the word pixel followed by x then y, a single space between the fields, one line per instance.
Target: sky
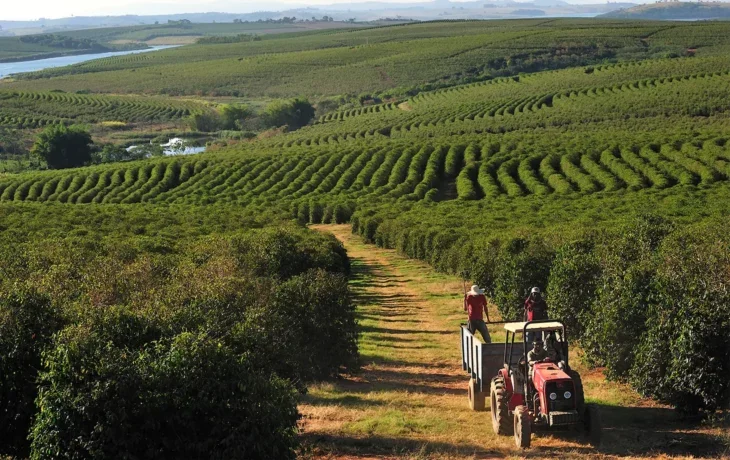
pixel 51 9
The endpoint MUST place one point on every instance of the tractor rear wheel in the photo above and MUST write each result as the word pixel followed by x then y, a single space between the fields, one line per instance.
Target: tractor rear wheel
pixel 477 399
pixel 580 401
pixel 592 425
pixel 523 428
pixel 501 424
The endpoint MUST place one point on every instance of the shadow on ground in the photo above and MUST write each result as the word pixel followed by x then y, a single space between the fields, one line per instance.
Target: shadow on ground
pixel 384 446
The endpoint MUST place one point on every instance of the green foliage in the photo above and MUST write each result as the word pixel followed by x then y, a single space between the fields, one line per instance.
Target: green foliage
pixel 111 389
pixel 27 323
pixel 61 147
pixel 572 284
pixel 205 122
pixel 512 180
pixel 29 110
pixel 60 41
pixel 521 265
pixel 293 113
pixel 682 357
pixel 314 312
pixel 240 38
pixel 336 63
pixel 179 320
pixel 111 153
pixel 233 115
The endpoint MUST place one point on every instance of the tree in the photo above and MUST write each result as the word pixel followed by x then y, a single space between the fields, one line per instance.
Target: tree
pixel 233 115
pixel 10 143
pixel 294 113
pixel 205 121
pixel 63 147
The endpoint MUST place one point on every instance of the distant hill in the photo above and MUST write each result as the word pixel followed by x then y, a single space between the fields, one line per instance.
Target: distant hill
pixel 361 11
pixel 673 11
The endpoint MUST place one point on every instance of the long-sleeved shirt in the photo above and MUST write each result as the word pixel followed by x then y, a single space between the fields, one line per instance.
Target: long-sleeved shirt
pixel 535 356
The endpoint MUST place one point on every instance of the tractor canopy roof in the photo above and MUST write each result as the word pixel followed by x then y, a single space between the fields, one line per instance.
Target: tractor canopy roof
pixel 518 327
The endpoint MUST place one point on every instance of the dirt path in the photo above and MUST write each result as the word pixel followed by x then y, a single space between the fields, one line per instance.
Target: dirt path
pixel 410 399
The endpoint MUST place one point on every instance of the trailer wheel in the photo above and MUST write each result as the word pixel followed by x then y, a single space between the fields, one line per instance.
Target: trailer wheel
pixel 477 399
pixel 523 428
pixel 501 423
pixel 592 425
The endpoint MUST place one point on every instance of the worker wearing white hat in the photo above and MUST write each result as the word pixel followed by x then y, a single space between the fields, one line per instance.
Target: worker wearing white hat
pixel 475 303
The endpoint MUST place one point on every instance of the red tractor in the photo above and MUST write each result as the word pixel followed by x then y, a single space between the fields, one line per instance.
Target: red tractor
pixel 525 397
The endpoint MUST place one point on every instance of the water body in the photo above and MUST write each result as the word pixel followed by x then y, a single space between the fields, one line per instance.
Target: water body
pixel 9 68
pixel 176 146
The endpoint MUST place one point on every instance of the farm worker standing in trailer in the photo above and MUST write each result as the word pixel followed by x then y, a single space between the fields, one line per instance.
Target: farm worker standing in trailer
pixel 475 303
pixel 535 308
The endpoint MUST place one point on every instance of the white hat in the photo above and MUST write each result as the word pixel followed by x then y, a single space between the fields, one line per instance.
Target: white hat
pixel 535 290
pixel 475 290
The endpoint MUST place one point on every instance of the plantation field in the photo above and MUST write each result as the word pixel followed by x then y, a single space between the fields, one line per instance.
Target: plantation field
pixel 590 158
pixel 387 60
pixel 151 32
pixel 111 38
pixel 34 110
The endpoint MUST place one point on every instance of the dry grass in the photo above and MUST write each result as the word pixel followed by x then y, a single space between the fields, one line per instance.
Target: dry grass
pixel 409 401
pixel 173 40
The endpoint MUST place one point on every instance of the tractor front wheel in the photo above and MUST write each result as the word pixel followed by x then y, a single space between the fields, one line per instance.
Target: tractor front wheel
pixel 592 425
pixel 477 399
pixel 523 428
pixel 500 408
pixel 579 395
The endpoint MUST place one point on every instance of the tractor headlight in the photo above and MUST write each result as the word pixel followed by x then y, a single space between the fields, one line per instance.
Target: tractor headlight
pixel 553 396
pixel 568 394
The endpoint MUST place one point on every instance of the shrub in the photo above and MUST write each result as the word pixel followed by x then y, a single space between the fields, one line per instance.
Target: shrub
pixel 521 264
pixel 205 121
pixel 283 253
pixel 572 284
pixel 683 357
pixel 108 392
pixel 454 160
pixel 27 322
pixel 293 113
pixel 624 293
pixel 233 115
pixel 62 147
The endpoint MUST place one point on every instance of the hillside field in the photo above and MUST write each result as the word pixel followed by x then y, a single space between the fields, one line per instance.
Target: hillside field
pixel 41 45
pixel 588 157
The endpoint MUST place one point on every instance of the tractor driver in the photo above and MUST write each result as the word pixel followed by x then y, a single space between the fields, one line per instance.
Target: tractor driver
pixel 538 354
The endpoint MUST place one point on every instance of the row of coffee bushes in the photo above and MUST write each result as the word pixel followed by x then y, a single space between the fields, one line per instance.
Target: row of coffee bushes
pixel 129 344
pixel 647 297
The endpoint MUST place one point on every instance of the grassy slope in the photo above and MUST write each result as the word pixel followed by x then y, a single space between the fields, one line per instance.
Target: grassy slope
pixel 410 400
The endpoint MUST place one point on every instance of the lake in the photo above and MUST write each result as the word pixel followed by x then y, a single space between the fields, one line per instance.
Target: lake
pixel 9 68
